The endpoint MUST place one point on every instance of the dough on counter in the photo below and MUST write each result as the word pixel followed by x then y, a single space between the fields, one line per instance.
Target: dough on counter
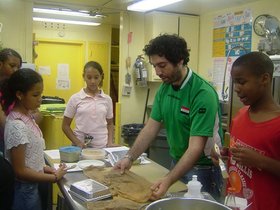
pixel 128 185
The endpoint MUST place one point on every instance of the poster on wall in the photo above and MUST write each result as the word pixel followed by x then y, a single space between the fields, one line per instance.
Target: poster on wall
pixel 62 80
pixel 232 37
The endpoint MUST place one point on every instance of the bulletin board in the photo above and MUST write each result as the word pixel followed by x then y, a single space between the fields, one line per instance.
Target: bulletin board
pixel 232 37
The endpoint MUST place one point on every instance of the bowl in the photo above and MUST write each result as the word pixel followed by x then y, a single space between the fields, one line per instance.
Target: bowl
pixel 69 154
pixel 93 154
pixel 185 204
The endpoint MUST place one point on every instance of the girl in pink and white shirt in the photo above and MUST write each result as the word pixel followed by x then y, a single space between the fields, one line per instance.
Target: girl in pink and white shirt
pixel 24 143
pixel 93 111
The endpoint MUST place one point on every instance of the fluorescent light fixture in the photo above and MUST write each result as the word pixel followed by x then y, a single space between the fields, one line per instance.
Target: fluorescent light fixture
pixel 146 5
pixel 66 21
pixel 62 12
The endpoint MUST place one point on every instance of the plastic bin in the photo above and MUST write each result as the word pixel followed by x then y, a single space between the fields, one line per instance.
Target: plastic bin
pixel 159 150
pixel 130 132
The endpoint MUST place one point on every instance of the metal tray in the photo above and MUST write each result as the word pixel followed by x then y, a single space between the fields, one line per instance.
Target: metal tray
pixel 89 189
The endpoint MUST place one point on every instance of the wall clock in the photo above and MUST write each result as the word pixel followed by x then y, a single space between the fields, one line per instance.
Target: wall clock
pixel 259 25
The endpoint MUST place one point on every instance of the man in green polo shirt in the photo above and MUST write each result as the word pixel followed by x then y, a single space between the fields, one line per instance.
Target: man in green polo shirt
pixel 188 106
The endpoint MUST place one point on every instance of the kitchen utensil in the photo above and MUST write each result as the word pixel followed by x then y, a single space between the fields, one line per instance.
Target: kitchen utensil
pixel 93 154
pixel 88 139
pixel 86 163
pixel 71 167
pixel 221 162
pixel 89 190
pixel 185 204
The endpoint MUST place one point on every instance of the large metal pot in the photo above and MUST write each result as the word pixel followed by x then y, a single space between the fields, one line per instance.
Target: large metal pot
pixel 185 204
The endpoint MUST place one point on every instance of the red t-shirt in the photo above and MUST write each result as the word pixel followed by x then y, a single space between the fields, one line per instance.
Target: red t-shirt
pixel 259 187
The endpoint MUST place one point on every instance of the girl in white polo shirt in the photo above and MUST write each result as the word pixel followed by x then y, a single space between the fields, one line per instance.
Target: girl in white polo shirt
pixel 93 111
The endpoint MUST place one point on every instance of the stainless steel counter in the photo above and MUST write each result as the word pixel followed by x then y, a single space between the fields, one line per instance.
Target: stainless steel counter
pixel 151 172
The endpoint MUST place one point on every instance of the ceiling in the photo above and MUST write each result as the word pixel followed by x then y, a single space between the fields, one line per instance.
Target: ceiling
pixel 112 8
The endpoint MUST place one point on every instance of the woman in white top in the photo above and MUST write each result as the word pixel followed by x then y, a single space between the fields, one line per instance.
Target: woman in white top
pixel 24 143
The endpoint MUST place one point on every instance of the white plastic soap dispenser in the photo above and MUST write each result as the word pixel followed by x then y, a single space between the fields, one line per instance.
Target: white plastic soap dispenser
pixel 194 188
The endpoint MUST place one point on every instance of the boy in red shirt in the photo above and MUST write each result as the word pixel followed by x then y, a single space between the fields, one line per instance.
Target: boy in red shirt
pixel 254 159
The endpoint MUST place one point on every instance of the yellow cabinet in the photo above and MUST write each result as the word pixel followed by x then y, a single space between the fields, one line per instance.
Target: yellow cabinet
pixel 157 23
pixel 54 138
pixel 52 132
pixel 189 30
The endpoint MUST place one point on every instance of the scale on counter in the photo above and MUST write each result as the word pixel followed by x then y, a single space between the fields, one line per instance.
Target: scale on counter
pixel 89 190
pixel 116 153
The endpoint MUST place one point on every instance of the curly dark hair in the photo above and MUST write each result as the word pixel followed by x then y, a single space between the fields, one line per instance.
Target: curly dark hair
pixel 172 47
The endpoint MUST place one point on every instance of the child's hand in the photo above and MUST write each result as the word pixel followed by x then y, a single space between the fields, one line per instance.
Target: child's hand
pixel 61 171
pixel 223 155
pixel 49 170
pixel 246 156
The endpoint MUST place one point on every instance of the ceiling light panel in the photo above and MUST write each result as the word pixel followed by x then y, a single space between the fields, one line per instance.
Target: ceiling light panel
pixel 75 22
pixel 147 5
pixel 61 12
pixel 65 16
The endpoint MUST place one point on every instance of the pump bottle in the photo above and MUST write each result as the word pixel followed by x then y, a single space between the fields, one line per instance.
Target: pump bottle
pixel 194 188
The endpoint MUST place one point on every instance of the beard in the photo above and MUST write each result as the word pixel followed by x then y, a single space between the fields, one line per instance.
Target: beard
pixel 176 77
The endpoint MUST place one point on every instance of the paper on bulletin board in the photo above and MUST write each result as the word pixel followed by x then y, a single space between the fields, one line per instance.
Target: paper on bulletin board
pixel 44 70
pixel 63 84
pixel 230 30
pixel 63 71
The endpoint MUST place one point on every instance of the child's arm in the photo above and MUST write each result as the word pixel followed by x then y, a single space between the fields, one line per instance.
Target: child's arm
pixel 66 128
pixel 249 157
pixel 26 174
pixel 270 165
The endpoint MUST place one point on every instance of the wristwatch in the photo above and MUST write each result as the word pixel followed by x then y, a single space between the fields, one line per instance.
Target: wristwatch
pixel 129 157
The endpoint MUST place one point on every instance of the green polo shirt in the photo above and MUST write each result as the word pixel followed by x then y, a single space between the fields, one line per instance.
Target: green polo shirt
pixel 193 110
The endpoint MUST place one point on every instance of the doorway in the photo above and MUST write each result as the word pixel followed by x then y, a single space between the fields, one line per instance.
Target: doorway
pixel 52 54
pixel 114 82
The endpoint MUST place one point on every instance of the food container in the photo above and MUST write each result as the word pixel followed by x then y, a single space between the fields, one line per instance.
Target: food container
pixel 185 204
pixel 93 154
pixel 69 154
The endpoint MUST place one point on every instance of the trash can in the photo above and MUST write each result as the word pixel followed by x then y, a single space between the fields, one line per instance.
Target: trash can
pixel 130 132
pixel 159 150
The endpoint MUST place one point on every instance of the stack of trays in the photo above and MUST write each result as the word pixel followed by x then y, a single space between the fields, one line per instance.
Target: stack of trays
pixel 89 190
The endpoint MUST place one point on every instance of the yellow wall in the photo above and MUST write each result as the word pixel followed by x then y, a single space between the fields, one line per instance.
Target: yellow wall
pixel 135 103
pixel 205 66
pixel 53 52
pixel 16 17
pixel 134 22
pixel 94 39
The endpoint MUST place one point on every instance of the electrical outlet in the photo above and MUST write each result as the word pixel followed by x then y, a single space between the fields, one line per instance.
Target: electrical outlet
pixel 126 90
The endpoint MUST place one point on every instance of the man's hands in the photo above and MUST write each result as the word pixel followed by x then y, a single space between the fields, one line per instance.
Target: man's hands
pixel 160 188
pixel 123 164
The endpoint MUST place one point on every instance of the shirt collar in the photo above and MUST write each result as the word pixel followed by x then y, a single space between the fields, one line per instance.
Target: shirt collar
pixel 187 79
pixel 17 115
pixel 83 94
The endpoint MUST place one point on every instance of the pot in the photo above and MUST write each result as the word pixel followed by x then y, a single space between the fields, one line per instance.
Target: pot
pixel 185 204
